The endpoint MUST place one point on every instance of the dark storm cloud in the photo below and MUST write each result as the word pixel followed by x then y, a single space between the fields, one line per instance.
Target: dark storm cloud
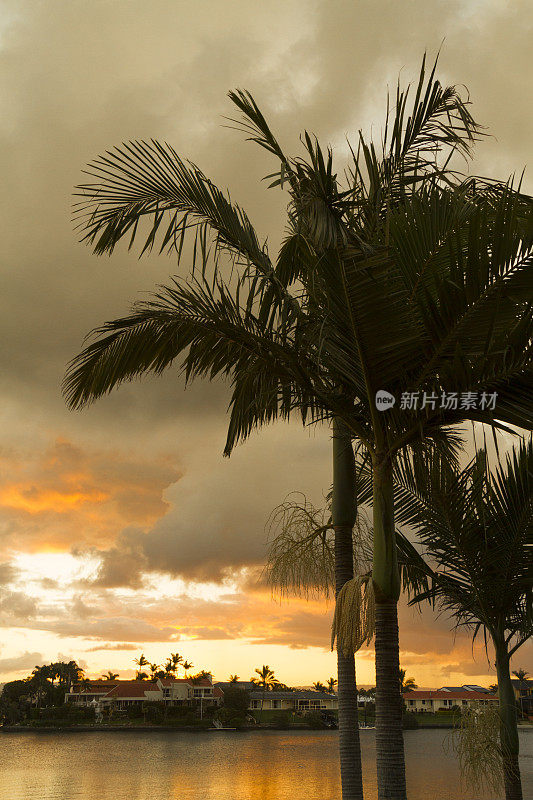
pixel 219 508
pixel 80 78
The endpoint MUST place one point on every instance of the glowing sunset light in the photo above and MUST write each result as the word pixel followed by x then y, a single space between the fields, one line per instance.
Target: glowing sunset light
pixel 35 500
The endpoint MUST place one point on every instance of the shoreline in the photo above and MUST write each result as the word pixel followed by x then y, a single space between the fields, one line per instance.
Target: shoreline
pixel 167 728
pixel 191 729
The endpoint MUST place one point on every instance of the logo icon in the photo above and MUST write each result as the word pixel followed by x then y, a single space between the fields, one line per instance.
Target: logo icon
pixel 384 400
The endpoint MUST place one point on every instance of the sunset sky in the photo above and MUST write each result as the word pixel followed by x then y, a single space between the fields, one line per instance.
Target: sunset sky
pixel 122 528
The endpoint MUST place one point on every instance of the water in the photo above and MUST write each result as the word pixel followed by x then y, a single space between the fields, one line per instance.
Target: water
pixel 266 765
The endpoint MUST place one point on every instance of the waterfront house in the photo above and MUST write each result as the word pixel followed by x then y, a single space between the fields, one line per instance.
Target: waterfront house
pixel 122 694
pixel 445 699
pixel 300 701
pixel 523 692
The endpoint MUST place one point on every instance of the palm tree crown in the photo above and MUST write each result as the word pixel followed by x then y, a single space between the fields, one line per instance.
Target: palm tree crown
pixel 266 678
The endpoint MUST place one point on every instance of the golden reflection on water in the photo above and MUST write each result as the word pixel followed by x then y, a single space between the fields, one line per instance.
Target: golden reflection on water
pixel 265 765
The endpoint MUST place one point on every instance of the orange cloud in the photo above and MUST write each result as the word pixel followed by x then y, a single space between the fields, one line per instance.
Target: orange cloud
pixel 34 500
pixel 68 495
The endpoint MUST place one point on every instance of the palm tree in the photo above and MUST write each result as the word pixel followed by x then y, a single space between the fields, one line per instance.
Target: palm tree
pixel 154 669
pixel 331 684
pixel 110 676
pixel 406 684
pixel 266 680
pixel 74 673
pixel 522 676
pixel 318 686
pixel 141 661
pixel 169 667
pixel 390 283
pixel 187 665
pixel 234 678
pixel 477 528
pixel 40 681
pixel 204 673
pixel 176 660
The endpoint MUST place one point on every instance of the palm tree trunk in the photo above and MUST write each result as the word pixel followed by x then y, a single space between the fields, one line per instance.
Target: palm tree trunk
pixel 508 726
pixel 344 511
pixel 386 578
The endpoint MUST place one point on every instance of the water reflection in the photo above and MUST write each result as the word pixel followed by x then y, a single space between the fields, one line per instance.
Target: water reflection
pixel 217 766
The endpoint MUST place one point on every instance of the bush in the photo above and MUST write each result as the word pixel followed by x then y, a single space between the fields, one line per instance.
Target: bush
pixel 12 712
pixel 13 691
pixel 62 716
pixel 409 720
pixel 314 720
pixel 179 716
pixel 284 718
pixel 238 721
pixel 179 712
pixel 154 711
pixel 236 700
pixel 135 711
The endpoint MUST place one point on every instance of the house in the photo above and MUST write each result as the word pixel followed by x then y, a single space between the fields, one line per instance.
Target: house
pixel 122 694
pixel 299 700
pixel 445 699
pixel 465 688
pixel 523 692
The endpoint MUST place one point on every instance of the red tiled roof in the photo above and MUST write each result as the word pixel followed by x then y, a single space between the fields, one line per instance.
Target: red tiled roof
pixel 132 689
pixel 217 691
pixel 94 686
pixel 420 694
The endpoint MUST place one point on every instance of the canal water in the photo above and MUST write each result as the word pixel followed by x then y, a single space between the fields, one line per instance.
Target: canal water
pixel 259 765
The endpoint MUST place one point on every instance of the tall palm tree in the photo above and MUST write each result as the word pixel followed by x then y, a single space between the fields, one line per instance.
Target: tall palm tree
pixel 234 678
pixel 390 283
pixel 176 660
pixel 522 676
pixel 187 665
pixel 169 667
pixel 141 661
pixel 110 676
pixel 40 681
pixel 266 680
pixel 330 685
pixel 318 686
pixel 477 529
pixel 74 674
pixel 154 669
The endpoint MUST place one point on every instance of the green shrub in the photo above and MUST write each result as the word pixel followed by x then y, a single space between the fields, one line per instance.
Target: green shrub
pixel 66 714
pixel 237 721
pixel 409 720
pixel 314 720
pixel 237 700
pixel 154 711
pixel 179 712
pixel 284 718
pixel 135 711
